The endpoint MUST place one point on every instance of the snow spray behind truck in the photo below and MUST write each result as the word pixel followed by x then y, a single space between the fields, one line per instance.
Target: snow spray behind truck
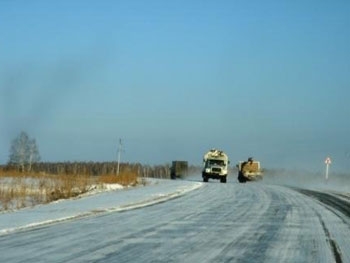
pixel 215 165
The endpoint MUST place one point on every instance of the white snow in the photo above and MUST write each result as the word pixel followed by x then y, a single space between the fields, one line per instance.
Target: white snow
pixel 253 222
pixel 113 198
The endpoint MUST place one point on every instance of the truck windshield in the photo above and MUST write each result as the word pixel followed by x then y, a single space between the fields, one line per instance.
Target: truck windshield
pixel 215 162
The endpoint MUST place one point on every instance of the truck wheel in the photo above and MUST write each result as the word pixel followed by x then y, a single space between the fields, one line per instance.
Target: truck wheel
pixel 205 177
pixel 223 179
pixel 241 178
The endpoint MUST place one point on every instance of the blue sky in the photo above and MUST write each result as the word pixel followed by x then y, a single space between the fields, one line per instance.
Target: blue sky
pixel 172 79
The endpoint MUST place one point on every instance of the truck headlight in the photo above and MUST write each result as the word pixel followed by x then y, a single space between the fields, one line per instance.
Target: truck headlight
pixel 207 170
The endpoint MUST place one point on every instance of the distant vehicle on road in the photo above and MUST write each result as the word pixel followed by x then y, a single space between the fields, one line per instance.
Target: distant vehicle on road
pixel 179 169
pixel 249 170
pixel 215 165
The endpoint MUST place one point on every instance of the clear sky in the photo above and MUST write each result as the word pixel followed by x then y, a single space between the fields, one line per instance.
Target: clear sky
pixel 172 79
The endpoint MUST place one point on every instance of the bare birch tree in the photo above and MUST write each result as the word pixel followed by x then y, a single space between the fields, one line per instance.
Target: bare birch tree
pixel 23 152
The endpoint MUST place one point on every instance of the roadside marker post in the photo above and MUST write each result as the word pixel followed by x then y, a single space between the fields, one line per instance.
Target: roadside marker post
pixel 327 162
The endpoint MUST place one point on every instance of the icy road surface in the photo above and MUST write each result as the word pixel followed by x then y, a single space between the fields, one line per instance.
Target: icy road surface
pixel 179 221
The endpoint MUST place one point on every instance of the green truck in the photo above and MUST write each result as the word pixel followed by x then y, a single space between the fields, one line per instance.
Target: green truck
pixel 179 169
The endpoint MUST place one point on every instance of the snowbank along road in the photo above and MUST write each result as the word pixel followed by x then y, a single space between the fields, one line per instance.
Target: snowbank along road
pixel 215 223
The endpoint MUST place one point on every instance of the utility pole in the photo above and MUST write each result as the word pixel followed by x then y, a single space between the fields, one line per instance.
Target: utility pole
pixel 327 162
pixel 119 153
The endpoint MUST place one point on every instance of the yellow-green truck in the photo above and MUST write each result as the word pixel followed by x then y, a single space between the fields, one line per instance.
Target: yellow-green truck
pixel 249 171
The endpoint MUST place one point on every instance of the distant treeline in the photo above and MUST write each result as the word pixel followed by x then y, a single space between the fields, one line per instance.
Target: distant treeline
pixel 99 168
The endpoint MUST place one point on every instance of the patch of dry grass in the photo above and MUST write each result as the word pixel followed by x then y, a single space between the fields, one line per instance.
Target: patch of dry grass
pixel 127 178
pixel 19 190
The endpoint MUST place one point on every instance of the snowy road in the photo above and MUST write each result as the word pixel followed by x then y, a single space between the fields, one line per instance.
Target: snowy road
pixel 214 223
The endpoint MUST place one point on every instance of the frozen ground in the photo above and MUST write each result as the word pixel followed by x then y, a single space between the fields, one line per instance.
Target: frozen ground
pixel 183 221
pixel 114 198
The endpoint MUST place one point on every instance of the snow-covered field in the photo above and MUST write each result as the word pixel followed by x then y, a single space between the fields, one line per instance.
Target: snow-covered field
pixel 110 198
